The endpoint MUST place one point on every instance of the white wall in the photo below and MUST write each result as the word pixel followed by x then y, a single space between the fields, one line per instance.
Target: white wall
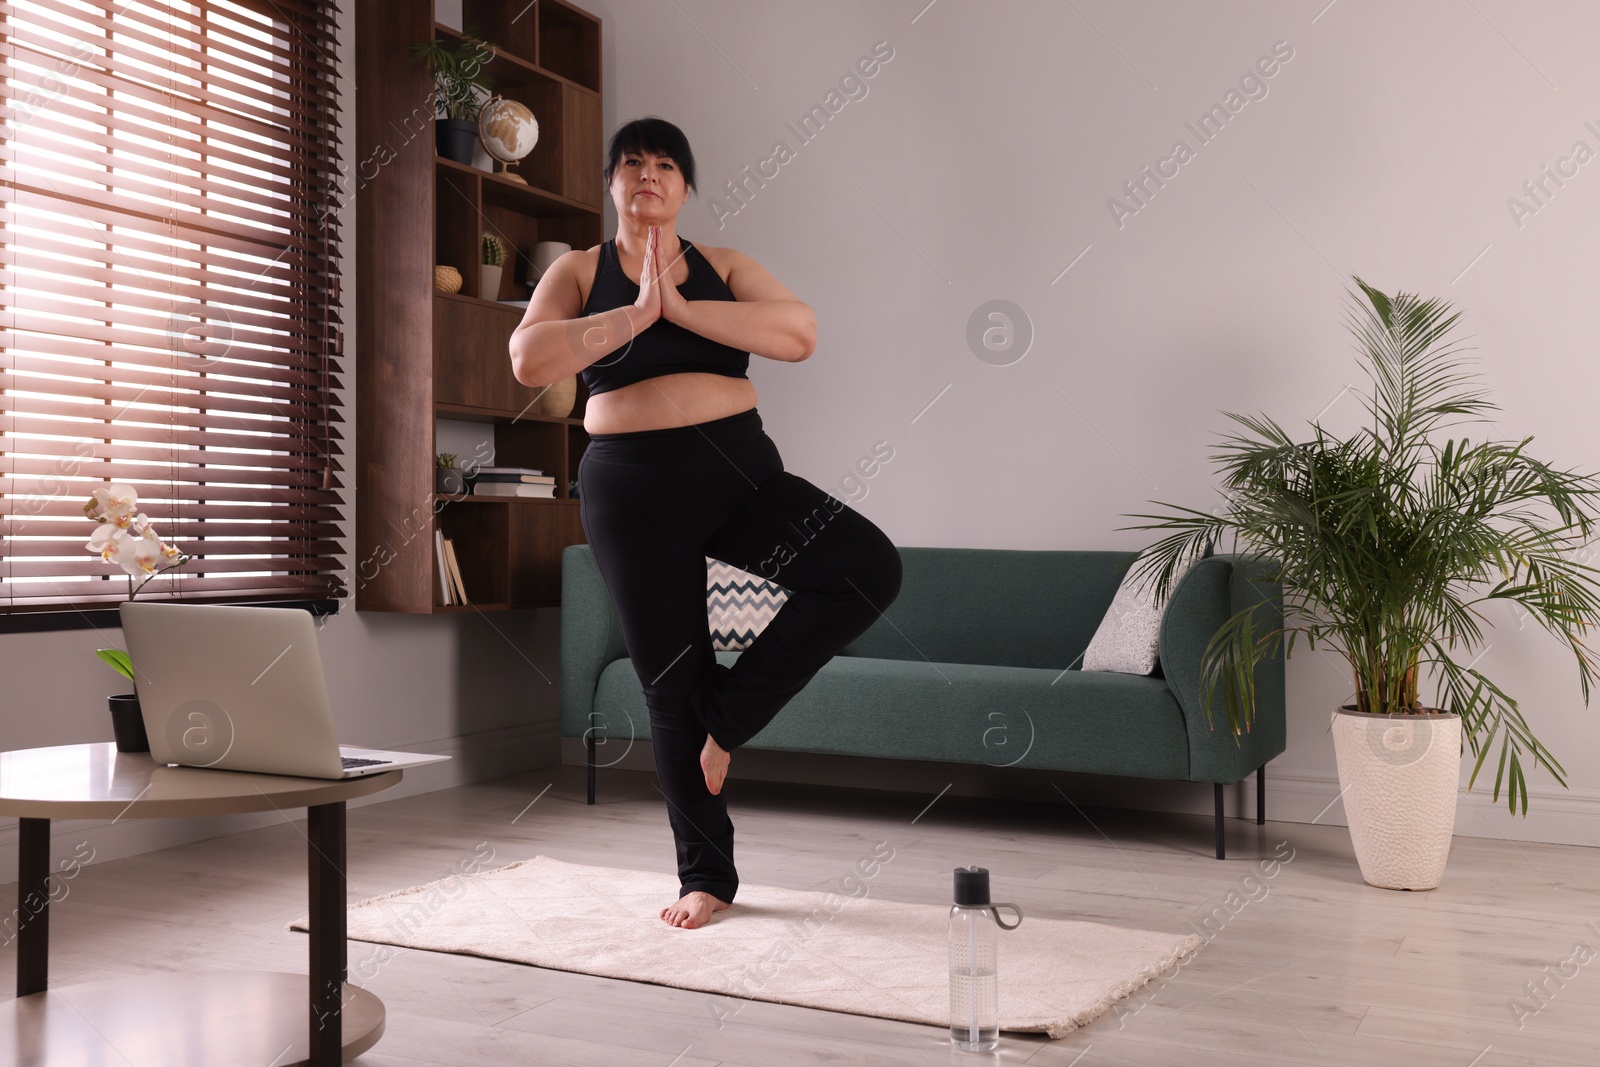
pixel 978 166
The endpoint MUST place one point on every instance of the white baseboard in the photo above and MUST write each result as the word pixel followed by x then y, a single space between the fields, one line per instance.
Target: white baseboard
pixel 1568 817
pixel 474 758
pixel 1564 817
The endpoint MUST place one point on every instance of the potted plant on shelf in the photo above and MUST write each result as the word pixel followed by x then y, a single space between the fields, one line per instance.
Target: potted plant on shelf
pixel 1379 539
pixel 447 477
pixel 460 86
pixel 493 256
pixel 123 535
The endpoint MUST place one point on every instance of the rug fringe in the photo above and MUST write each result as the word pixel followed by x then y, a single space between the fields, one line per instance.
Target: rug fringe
pixel 1185 950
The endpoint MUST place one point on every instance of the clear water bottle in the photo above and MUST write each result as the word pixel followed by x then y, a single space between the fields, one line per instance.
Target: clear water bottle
pixel 974 975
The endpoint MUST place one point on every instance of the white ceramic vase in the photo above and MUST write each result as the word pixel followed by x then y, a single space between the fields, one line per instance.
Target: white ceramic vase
pixel 1398 775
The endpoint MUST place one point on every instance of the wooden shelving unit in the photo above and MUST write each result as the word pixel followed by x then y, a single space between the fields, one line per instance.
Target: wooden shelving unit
pixel 422 355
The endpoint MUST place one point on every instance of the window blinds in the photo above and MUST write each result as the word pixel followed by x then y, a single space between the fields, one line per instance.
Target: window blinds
pixel 169 249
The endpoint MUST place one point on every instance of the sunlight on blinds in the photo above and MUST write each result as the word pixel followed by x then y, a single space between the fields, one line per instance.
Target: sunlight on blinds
pixel 168 273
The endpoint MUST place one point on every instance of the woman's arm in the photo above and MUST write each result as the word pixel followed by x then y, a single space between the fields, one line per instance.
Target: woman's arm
pixel 763 318
pixel 555 339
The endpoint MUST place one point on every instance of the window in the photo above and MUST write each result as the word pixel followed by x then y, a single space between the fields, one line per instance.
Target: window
pixel 168 281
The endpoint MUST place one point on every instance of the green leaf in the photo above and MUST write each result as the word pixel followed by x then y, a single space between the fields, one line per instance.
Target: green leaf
pixel 118 660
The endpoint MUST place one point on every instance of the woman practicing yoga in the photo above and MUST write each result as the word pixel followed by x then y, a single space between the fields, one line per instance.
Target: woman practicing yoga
pixel 678 468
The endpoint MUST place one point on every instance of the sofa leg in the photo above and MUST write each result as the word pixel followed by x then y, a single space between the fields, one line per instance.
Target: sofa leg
pixel 1222 844
pixel 588 743
pixel 1261 795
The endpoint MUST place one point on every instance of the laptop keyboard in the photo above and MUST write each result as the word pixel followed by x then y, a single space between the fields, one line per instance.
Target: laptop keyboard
pixel 357 761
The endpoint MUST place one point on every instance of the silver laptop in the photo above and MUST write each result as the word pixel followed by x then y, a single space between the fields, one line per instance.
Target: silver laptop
pixel 240 689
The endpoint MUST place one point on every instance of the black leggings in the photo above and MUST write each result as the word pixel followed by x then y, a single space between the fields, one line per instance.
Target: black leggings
pixel 654 505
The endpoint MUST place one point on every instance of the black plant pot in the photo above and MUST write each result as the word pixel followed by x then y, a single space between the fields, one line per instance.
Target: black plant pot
pixel 128 723
pixel 455 139
pixel 449 480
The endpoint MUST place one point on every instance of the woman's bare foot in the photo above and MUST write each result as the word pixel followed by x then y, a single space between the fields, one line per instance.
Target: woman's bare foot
pixel 692 909
pixel 714 761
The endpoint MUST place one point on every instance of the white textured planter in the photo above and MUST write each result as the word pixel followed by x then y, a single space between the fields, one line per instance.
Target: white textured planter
pixel 489 281
pixel 1398 775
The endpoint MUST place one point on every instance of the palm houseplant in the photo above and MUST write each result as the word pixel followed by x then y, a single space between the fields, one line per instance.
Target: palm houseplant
pixel 460 85
pixel 1383 542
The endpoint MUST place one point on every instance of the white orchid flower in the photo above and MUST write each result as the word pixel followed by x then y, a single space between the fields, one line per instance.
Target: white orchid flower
pixel 115 545
pixel 137 554
pixel 103 541
pixel 114 504
pixel 146 554
pixel 124 536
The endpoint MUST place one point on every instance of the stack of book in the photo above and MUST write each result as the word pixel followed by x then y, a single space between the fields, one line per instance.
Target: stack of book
pixel 451 588
pixel 512 481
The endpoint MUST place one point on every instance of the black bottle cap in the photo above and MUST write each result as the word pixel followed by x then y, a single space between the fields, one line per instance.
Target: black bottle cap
pixel 972 886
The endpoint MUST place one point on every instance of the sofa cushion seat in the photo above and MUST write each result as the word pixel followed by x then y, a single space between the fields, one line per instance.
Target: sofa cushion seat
pixel 1100 722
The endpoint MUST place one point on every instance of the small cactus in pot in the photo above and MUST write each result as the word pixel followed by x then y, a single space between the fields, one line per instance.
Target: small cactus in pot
pixel 492 264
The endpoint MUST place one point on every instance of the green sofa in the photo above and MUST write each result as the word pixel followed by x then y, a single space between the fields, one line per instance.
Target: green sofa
pixel 977 662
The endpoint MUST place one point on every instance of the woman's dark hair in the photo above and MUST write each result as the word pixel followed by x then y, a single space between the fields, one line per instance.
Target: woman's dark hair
pixel 656 136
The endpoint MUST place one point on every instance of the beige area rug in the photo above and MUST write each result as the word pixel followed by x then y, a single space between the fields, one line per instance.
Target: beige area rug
pixel 843 953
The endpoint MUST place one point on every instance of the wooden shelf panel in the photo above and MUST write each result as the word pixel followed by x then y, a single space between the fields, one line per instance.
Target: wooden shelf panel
pixel 569 44
pixel 492 305
pixel 455 210
pixel 514 63
pixel 475 414
pixel 472 357
pixel 394 258
pixel 480 537
pixel 449 357
pixel 470 499
pixel 528 199
pixel 538 536
pixel 513 59
pixel 521 605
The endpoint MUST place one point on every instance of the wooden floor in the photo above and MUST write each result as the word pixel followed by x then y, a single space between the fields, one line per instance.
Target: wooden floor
pixel 1306 966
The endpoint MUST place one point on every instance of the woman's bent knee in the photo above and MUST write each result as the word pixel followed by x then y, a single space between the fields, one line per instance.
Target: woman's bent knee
pixel 882 571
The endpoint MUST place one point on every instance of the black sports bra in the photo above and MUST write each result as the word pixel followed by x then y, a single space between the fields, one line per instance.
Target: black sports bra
pixel 662 347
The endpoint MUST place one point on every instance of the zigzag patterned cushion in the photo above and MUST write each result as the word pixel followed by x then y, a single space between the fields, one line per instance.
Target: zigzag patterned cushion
pixel 738 605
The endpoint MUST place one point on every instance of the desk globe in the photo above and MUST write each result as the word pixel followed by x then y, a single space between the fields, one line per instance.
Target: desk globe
pixel 508 131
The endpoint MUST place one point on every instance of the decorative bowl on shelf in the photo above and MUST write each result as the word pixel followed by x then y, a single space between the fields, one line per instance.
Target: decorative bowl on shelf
pixel 446 280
